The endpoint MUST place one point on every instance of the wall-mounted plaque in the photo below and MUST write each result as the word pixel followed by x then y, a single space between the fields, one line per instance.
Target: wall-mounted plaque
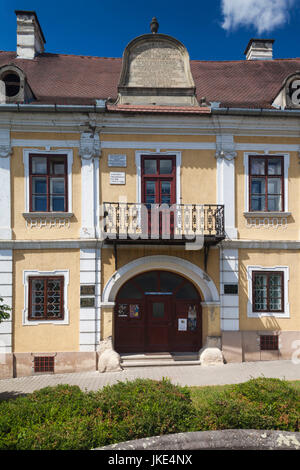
pixel 117 160
pixel 87 290
pixel 117 177
pixel 87 302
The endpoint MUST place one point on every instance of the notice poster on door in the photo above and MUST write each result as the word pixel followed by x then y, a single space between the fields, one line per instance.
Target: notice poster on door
pixel 192 318
pixel 134 311
pixel 182 324
pixel 122 310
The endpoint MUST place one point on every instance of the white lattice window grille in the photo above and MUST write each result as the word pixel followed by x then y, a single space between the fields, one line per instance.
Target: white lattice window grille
pixel 33 276
pixel 263 310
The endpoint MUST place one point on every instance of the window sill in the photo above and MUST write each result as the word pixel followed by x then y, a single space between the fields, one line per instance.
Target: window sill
pixel 48 215
pixel 267 215
pixel 268 314
pixel 47 219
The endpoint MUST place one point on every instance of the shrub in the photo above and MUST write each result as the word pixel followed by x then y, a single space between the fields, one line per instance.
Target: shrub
pixel 64 417
pixel 257 404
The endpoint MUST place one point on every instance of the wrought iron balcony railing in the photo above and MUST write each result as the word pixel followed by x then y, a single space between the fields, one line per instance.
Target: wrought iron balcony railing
pixel 154 222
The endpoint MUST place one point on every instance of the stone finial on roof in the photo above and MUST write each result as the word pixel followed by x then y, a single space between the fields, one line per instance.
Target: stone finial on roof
pixel 154 25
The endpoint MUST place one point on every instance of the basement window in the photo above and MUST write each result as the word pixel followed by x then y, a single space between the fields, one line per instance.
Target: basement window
pixel 269 343
pixel 43 364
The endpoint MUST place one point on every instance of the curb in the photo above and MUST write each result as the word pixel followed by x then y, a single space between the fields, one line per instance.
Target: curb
pixel 229 439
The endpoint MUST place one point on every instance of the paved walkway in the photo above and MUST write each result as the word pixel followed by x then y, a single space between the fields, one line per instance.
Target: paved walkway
pixel 182 375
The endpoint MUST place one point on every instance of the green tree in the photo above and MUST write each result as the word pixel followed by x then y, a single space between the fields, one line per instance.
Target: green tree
pixel 4 310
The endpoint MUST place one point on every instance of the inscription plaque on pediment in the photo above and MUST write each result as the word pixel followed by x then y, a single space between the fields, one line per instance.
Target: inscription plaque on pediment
pixel 156 70
pixel 157 65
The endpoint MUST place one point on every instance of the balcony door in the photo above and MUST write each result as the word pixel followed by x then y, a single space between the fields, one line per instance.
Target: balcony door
pixel 159 188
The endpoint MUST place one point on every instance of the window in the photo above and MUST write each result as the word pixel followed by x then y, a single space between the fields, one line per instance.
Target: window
pixel 269 343
pixel 12 84
pixel 46 300
pixel 267 291
pixel 266 184
pixel 43 364
pixel 48 183
pixel 158 180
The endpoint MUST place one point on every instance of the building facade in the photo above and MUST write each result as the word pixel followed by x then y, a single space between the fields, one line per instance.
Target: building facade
pixel 148 205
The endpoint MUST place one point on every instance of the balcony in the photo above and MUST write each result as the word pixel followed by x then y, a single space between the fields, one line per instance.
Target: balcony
pixel 132 223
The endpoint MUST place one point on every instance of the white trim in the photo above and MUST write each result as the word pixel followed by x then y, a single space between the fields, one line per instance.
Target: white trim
pixel 286 165
pixel 286 313
pixel 26 275
pixel 225 155
pixel 27 152
pixel 169 263
pixel 157 153
pixel 158 145
pixel 89 324
pixel 6 292
pixel 44 143
pixel 279 148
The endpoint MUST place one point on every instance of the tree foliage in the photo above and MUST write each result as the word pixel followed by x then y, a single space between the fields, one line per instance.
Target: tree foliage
pixel 4 310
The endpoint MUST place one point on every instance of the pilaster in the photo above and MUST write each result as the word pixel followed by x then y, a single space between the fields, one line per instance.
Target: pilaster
pixel 229 276
pixel 89 151
pixel 90 275
pixel 225 155
pixel 5 186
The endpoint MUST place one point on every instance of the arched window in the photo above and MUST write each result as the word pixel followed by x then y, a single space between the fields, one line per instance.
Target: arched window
pixel 14 87
pixel 158 282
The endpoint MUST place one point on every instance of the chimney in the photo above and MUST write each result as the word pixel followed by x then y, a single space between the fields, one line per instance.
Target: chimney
pixel 259 49
pixel 30 38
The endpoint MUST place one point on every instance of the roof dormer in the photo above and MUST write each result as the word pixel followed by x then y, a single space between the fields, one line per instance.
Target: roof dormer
pixel 14 87
pixel 289 94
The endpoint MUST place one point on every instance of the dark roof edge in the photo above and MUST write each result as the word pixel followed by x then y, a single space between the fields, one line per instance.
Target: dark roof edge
pixel 102 108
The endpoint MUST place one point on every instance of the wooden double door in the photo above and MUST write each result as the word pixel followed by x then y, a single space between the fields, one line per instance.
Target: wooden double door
pixel 158 321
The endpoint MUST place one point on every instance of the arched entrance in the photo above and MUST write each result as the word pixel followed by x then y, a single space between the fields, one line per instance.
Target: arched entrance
pixel 158 311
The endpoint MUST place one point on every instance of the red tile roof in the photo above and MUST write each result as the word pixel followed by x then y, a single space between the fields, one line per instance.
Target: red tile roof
pixel 158 109
pixel 69 79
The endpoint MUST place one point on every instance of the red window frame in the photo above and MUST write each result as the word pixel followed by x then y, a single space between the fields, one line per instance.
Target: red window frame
pixel 266 176
pixel 158 177
pixel 45 315
pixel 268 274
pixel 48 176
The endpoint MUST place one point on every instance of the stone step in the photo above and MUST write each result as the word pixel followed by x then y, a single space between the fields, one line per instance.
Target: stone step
pixel 159 359
pixel 127 364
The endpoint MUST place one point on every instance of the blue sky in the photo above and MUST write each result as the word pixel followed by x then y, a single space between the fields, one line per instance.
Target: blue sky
pixel 211 30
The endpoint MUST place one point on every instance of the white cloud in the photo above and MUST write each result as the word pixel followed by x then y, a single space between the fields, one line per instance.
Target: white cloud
pixel 263 15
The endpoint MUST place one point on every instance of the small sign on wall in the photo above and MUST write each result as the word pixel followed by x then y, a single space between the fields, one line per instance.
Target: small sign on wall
pixel 182 324
pixel 117 160
pixel 117 177
pixel 87 302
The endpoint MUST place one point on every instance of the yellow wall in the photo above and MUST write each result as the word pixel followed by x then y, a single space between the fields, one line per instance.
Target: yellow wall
pixel 270 258
pixel 20 231
pixel 198 170
pixel 46 337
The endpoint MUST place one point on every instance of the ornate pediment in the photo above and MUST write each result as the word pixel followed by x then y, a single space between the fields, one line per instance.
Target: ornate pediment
pixel 156 70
